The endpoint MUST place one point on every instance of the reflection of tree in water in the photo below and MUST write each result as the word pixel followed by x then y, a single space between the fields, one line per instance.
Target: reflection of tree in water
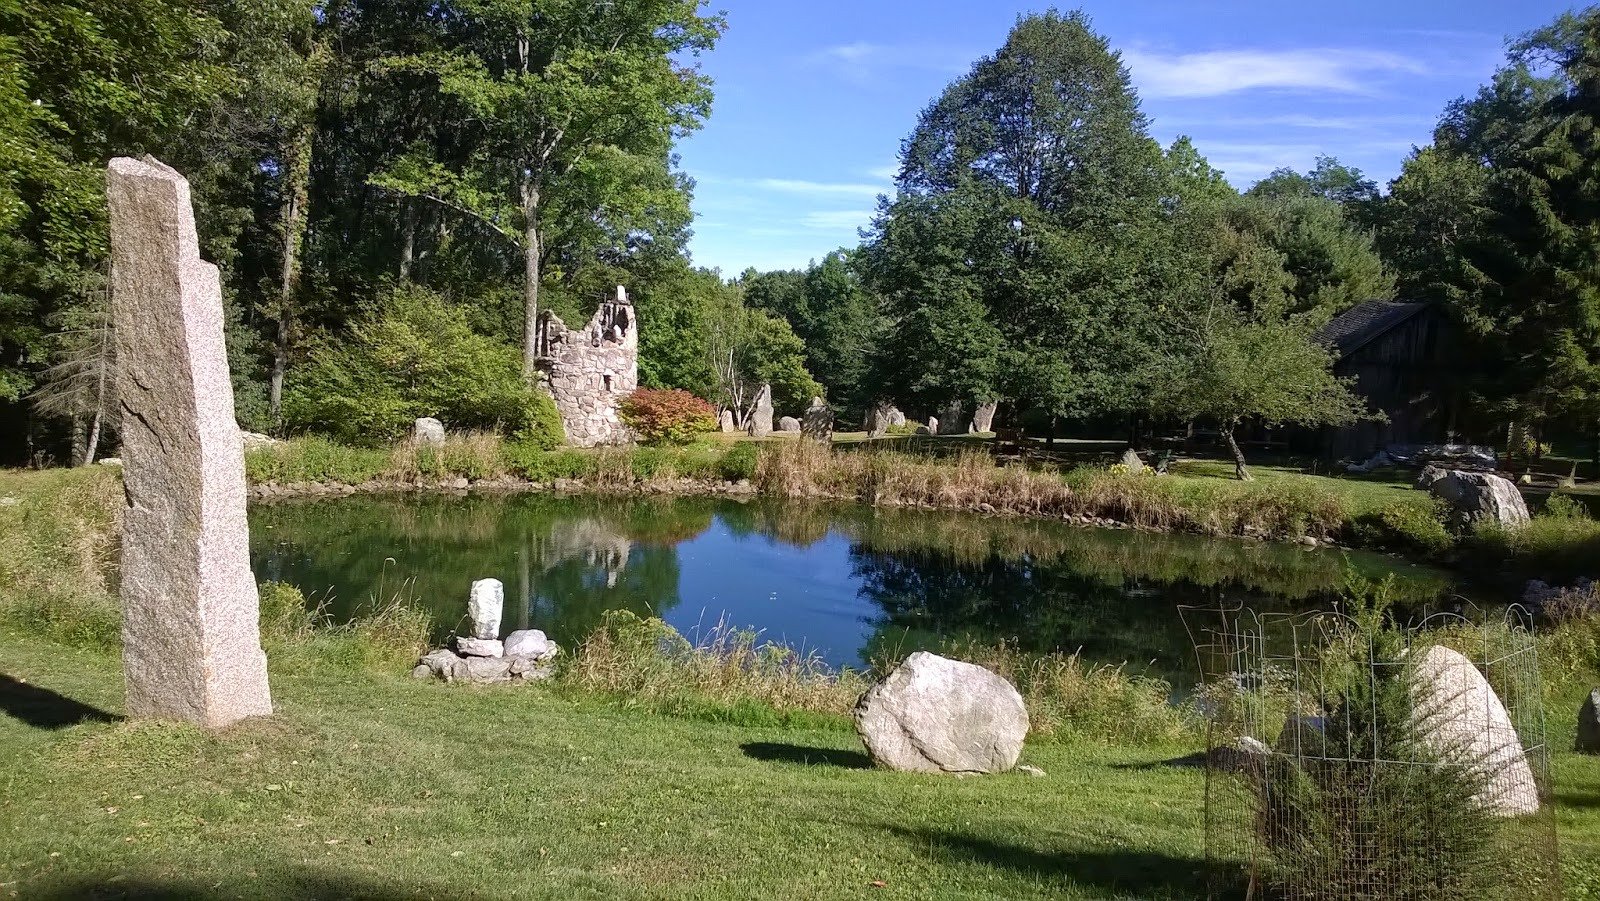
pixel 559 557
pixel 927 596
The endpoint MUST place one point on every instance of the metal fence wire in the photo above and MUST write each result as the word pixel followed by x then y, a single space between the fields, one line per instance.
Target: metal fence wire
pixel 1349 758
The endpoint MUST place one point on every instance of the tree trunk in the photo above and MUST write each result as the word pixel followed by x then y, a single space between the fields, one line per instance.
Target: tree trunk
pixel 408 239
pixel 530 283
pixel 93 443
pixel 1240 470
pixel 297 173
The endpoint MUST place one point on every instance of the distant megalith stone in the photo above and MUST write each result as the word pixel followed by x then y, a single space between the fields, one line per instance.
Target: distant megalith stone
pixel 486 606
pixel 1589 724
pixel 897 419
pixel 933 425
pixel 1475 496
pixel 191 639
pixel 877 421
pixel 761 419
pixel 428 432
pixel 1133 462
pixel 952 419
pixel 1463 721
pixel 817 424
pixel 936 715
pixel 983 418
pixel 788 424
pixel 726 422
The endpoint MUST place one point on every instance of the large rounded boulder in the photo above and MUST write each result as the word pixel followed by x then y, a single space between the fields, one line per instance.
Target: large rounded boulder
pixel 936 715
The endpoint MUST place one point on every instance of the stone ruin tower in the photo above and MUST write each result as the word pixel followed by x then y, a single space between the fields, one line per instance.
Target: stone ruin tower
pixel 589 372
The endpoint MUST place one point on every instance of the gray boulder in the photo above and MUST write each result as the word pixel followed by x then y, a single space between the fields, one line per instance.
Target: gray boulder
pixel 444 664
pixel 480 647
pixel 788 424
pixel 1589 724
pixel 897 419
pixel 529 643
pixel 1475 496
pixel 1462 719
pixel 428 432
pixel 936 715
pixel 877 421
pixel 488 669
pixel 1130 459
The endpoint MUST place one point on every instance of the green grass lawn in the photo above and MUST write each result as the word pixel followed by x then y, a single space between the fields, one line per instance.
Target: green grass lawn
pixel 1361 494
pixel 376 786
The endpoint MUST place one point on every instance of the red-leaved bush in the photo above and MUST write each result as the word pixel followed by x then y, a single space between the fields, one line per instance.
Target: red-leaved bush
pixel 667 415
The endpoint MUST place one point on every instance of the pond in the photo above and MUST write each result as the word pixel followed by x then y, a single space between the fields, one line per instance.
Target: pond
pixel 844 582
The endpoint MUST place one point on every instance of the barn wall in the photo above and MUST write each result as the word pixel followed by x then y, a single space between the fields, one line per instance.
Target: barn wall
pixel 1406 373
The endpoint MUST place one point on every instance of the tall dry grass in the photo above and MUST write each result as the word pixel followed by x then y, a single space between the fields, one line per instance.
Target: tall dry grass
pixel 972 481
pixel 59 545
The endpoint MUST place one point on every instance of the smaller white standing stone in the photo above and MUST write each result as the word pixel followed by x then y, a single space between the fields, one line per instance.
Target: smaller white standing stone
pixel 428 432
pixel 487 605
pixel 727 422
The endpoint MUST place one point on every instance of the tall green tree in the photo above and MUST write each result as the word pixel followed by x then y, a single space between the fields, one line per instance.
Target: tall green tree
pixel 560 110
pixel 1023 257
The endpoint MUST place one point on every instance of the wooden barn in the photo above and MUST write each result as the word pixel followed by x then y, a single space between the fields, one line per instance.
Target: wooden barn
pixel 1401 356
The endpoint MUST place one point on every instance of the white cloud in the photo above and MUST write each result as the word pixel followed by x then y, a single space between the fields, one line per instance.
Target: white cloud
pixel 1319 123
pixel 863 62
pixel 886 173
pixel 1220 72
pixel 817 188
pixel 834 220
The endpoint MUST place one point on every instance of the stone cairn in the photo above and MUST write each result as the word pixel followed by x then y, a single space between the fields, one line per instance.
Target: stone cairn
pixel 818 421
pixel 590 371
pixel 191 638
pixel 481 656
pixel 761 420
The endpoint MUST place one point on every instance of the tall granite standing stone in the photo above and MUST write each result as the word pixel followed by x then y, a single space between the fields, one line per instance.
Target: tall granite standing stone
pixel 761 419
pixel 877 421
pixel 727 421
pixel 817 424
pixel 487 606
pixel 983 418
pixel 191 638
pixel 952 419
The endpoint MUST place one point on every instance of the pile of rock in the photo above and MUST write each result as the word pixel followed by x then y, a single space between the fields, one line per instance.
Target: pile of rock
pixel 482 656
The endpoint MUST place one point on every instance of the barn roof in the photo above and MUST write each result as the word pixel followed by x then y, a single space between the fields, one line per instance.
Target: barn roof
pixel 1354 328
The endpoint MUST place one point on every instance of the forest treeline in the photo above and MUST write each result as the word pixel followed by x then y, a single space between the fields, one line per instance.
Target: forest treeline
pixel 395 189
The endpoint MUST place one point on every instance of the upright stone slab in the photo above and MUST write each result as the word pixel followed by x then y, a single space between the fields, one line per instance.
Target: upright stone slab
pixel 1589 724
pixel 487 607
pixel 818 421
pixel 726 422
pixel 983 418
pixel 191 639
pixel 761 419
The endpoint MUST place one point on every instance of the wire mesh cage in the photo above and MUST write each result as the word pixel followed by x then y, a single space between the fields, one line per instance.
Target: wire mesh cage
pixel 1349 757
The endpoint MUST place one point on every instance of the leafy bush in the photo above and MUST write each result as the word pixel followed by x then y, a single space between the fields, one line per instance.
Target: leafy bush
pixel 739 462
pixel 1408 527
pixel 417 358
pixel 667 415
pixel 1378 809
pixel 1565 506
pixel 312 458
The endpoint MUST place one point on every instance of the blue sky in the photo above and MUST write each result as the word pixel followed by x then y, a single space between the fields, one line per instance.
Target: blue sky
pixel 814 96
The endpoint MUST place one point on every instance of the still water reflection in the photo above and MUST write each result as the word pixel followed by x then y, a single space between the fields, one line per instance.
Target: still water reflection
pixel 842 581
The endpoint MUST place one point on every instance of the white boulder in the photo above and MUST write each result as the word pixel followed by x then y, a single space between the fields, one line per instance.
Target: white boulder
pixel 936 715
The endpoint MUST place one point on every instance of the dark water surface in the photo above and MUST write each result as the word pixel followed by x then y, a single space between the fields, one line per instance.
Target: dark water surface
pixel 842 581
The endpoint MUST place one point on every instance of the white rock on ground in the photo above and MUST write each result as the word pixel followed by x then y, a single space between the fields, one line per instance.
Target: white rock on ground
pixel 936 715
pixel 1464 720
pixel 428 431
pixel 529 643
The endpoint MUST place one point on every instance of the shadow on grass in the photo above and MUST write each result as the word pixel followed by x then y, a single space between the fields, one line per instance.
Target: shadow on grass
pixel 783 753
pixel 1195 761
pixel 42 708
pixel 303 886
pixel 1119 874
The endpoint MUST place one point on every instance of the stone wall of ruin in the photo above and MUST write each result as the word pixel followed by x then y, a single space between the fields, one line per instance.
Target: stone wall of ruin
pixel 590 371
